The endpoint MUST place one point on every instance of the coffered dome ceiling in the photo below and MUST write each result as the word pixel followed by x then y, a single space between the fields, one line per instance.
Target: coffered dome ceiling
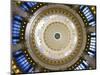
pixel 50 37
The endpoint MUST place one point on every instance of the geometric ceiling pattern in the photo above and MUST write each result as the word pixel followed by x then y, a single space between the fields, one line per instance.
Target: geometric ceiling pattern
pixel 50 37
